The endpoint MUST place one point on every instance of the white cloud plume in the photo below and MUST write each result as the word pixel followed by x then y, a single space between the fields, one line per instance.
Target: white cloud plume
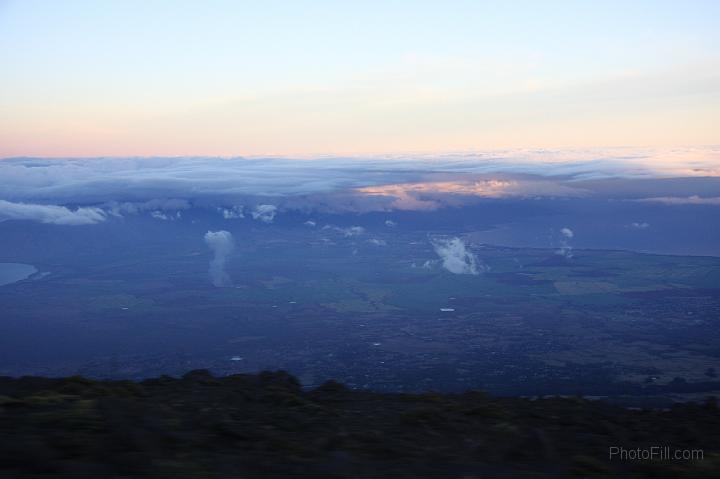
pixel 222 244
pixel 264 213
pixel 310 223
pixel 390 223
pixel 565 247
pixel 640 225
pixel 50 214
pixel 455 256
pixel 377 242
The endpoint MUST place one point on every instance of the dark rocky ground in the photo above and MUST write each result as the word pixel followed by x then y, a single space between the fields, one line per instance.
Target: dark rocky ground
pixel 266 426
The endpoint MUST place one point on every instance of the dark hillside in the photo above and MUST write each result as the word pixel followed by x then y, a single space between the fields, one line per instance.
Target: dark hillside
pixel 266 426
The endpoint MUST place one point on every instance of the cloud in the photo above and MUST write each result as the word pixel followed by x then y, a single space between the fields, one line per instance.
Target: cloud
pixel 428 264
pixel 565 247
pixel 214 180
pixel 377 242
pixel 122 186
pixel 390 223
pixel 264 213
pixel 159 215
pixel 116 208
pixel 234 212
pixel 432 195
pixel 50 214
pixel 676 200
pixel 310 223
pixel 222 244
pixel 455 256
pixel 640 225
pixel 347 232
pixel 352 231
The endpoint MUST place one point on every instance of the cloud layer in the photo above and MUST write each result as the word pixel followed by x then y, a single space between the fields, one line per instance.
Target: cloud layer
pixel 690 200
pixel 86 191
pixel 50 214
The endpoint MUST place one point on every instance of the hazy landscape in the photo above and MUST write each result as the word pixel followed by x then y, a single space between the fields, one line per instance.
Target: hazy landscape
pixel 395 285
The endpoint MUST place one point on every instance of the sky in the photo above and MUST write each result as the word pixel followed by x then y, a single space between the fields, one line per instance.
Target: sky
pixel 305 78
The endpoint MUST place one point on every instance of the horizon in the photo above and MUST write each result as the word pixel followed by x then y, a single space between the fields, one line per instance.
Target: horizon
pixel 418 154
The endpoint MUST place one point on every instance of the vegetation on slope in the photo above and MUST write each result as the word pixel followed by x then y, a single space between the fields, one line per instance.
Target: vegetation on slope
pixel 266 425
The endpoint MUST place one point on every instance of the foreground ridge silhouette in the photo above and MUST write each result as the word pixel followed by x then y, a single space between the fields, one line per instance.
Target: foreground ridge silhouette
pixel 267 426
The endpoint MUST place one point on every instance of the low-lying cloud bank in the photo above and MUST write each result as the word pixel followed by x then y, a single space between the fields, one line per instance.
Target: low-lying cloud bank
pixel 690 200
pixel 50 214
pixel 87 191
